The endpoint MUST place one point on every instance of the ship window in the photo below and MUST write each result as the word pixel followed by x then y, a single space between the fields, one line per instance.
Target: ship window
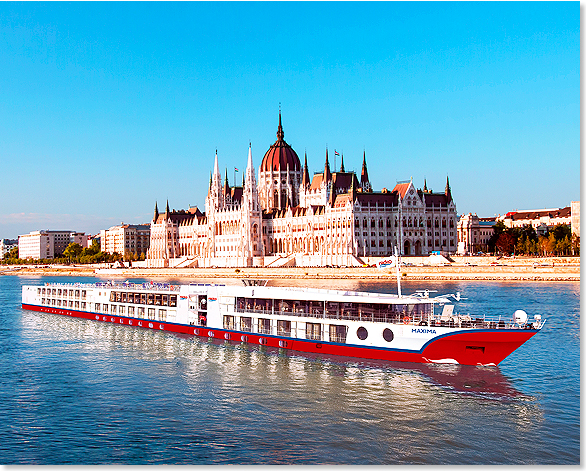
pixel 97 307
pixel 58 292
pixel 105 308
pixel 150 298
pixel 58 302
pixel 113 309
pixel 284 328
pixel 164 300
pixel 140 312
pixel 83 305
pixel 77 293
pixel 131 311
pixel 246 324
pixel 264 326
pixel 121 310
pixel 312 331
pixel 173 300
pixel 112 296
pixel 229 322
pixel 118 296
pixel 162 314
pixel 70 292
pixel 77 304
pixel 362 333
pixel 338 333
pixel 123 297
pixel 143 298
pixel 151 313
pixel 388 335
pixel 157 299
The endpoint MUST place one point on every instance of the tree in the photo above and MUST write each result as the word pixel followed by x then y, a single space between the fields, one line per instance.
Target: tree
pixel 506 243
pixel 73 250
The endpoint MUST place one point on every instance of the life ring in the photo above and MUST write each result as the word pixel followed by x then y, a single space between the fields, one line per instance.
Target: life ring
pixel 406 320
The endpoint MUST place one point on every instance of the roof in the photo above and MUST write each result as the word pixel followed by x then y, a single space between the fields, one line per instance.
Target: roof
pixel 280 155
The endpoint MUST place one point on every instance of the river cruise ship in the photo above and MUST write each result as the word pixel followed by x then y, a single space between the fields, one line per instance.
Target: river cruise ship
pixel 413 328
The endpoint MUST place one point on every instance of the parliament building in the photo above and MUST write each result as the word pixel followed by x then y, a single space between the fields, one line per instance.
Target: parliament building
pixel 287 218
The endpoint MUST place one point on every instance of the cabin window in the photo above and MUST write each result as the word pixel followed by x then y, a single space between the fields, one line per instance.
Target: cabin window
pixel 105 308
pixel 77 293
pixel 58 292
pixel 338 333
pixel 264 326
pixel 123 297
pixel 131 311
pixel 165 300
pixel 121 310
pixel 173 300
pixel 143 298
pixel 83 305
pixel 312 331
pixel 118 296
pixel 58 302
pixel 150 298
pixel 140 312
pixel 284 328
pixel 388 335
pixel 162 314
pixel 77 304
pixel 157 299
pixel 229 322
pixel 362 333
pixel 83 294
pixel 113 309
pixel 112 296
pixel 246 324
pixel 97 307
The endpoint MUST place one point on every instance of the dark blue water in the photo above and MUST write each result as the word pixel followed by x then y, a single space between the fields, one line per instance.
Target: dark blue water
pixel 79 392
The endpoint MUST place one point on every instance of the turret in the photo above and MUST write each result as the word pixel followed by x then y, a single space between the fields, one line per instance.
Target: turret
pixel 156 216
pixel 327 173
pixel 364 181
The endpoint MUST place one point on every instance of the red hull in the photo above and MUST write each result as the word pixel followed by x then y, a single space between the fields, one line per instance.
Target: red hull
pixel 477 347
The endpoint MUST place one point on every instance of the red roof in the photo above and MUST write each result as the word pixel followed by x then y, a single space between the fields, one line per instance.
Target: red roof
pixel 280 155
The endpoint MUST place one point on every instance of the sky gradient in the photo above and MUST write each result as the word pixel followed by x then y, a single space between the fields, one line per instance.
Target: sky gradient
pixel 109 107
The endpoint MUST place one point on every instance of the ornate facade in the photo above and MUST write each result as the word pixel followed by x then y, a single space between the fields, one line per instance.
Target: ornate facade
pixel 287 218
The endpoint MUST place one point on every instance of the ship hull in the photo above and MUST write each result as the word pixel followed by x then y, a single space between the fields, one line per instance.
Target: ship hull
pixel 478 347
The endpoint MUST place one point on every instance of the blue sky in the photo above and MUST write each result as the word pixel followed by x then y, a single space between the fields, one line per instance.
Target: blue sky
pixel 109 107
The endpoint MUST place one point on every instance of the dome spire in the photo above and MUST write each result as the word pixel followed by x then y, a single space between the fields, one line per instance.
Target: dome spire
pixel 280 133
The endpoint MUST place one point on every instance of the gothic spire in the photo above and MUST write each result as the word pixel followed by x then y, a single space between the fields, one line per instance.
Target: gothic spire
pixel 226 184
pixel 167 211
pixel 327 173
pixel 342 166
pixel 364 175
pixel 425 185
pixel 156 216
pixel 448 190
pixel 280 133
pixel 305 181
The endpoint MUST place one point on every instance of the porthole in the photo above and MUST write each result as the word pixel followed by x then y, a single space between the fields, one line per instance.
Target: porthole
pixel 388 335
pixel 362 333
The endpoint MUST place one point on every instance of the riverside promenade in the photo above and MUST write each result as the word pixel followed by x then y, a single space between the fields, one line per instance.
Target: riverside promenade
pixel 463 268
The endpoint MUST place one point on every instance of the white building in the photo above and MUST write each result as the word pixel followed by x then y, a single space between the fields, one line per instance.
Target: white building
pixel 6 245
pixel 126 238
pixel 48 244
pixel 289 219
pixel 541 219
pixel 474 234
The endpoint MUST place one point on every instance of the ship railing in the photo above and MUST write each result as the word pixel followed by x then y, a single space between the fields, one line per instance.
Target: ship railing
pixel 150 286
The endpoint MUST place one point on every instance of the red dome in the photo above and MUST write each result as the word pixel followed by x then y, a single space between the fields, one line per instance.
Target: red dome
pixel 280 155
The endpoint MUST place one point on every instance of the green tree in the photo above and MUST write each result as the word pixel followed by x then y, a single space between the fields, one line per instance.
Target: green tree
pixel 72 251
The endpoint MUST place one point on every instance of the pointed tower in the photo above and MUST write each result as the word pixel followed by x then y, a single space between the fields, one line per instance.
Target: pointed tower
pixel 305 179
pixel 252 239
pixel 156 216
pixel 214 200
pixel 448 190
pixel 167 212
pixel 425 185
pixel 342 170
pixel 364 181
pixel 327 173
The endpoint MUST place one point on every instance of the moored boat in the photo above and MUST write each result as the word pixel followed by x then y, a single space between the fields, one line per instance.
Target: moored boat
pixel 413 328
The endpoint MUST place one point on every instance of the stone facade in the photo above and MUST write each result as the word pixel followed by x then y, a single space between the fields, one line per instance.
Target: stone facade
pixel 126 238
pixel 284 218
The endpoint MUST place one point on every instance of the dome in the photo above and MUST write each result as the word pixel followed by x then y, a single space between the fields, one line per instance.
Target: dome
pixel 280 155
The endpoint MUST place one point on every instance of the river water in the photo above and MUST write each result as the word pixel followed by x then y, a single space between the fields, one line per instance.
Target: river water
pixel 79 392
